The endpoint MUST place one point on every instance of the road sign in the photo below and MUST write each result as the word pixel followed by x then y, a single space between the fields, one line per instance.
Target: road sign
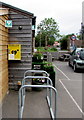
pixel 73 37
pixel 8 23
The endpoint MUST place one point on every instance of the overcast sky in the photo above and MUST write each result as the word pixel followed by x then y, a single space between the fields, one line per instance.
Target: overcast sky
pixel 67 13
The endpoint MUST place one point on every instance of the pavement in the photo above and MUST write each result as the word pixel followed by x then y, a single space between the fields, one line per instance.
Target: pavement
pixel 69 100
pixel 35 105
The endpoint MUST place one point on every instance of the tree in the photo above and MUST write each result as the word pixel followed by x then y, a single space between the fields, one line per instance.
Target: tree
pixel 40 40
pixel 79 37
pixel 65 41
pixel 48 31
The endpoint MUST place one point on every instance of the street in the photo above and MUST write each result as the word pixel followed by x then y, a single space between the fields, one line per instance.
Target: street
pixel 69 86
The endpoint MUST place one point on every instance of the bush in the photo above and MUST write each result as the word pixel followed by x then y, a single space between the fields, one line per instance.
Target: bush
pixel 48 68
pixel 53 49
pixel 37 57
pixel 46 49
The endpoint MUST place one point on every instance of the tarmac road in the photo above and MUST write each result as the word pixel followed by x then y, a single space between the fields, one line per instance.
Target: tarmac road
pixel 69 86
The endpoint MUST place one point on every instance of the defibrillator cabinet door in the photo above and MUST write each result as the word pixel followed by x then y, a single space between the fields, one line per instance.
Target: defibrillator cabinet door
pixel 14 52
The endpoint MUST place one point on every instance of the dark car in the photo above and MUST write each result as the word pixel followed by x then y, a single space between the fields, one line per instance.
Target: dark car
pixel 76 59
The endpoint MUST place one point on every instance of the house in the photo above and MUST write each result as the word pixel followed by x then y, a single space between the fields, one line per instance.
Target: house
pixel 16 45
pixel 78 43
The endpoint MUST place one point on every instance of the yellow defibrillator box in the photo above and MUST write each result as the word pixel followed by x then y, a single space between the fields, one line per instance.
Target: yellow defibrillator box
pixel 14 52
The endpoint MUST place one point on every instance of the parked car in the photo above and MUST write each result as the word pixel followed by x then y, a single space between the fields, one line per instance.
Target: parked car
pixel 76 59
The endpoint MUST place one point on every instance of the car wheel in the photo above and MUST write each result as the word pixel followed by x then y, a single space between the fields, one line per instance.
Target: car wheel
pixel 74 68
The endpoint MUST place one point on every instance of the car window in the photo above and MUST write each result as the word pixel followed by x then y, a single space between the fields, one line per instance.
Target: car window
pixel 82 54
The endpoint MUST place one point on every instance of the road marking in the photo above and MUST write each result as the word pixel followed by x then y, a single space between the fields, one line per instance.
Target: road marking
pixel 72 97
pixel 71 80
pixel 61 72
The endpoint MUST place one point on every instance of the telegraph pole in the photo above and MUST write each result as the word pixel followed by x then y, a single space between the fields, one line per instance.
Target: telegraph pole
pixel 82 31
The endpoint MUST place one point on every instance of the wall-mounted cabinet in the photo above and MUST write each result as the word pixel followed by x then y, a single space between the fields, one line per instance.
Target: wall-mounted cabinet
pixel 14 52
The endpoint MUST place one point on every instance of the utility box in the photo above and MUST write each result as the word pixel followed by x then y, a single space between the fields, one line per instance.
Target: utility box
pixel 14 52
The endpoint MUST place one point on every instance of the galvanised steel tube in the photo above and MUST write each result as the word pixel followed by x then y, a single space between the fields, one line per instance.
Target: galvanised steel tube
pixel 43 77
pixel 31 77
pixel 20 109
pixel 36 71
pixel 39 71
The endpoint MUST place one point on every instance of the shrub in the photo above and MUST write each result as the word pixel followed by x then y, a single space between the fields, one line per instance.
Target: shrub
pixel 53 49
pixel 37 57
pixel 48 68
pixel 46 49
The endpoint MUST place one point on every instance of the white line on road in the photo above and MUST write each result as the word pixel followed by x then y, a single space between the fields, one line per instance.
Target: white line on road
pixel 61 71
pixel 72 97
pixel 71 80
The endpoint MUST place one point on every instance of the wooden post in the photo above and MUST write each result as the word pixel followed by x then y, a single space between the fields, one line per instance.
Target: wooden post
pixel 46 42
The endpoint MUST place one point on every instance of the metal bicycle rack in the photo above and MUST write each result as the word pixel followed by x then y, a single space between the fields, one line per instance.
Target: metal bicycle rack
pixel 49 87
pixel 20 109
pixel 46 74
pixel 43 77
pixel 36 71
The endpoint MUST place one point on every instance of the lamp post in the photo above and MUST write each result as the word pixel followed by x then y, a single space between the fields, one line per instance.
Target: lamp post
pixel 82 31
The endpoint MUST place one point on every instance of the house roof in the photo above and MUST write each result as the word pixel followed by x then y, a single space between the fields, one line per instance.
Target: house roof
pixel 15 8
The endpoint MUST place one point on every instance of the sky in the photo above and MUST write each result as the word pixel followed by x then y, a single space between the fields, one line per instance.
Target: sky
pixel 67 13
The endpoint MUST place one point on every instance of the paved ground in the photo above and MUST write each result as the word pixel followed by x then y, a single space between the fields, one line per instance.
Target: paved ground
pixel 35 105
pixel 69 86
pixel 69 102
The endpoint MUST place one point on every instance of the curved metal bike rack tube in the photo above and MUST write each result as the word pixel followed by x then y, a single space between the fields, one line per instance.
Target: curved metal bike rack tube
pixel 40 77
pixel 20 107
pixel 43 77
pixel 36 71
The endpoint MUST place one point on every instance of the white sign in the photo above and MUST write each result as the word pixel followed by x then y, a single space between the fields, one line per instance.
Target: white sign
pixel 11 56
pixel 8 23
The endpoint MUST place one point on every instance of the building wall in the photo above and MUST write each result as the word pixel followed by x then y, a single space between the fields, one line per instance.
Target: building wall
pixel 23 37
pixel 78 43
pixel 83 12
pixel 3 57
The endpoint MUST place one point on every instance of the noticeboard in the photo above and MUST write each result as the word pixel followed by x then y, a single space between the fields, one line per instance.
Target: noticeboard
pixel 14 52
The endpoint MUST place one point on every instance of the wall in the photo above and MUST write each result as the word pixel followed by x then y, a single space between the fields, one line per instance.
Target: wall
pixel 78 43
pixel 3 56
pixel 83 12
pixel 55 55
pixel 23 37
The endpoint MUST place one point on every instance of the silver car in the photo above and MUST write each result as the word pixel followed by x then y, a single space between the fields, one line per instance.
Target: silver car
pixel 76 59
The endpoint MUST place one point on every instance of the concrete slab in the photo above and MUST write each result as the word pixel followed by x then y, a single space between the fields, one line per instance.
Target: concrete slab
pixel 35 105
